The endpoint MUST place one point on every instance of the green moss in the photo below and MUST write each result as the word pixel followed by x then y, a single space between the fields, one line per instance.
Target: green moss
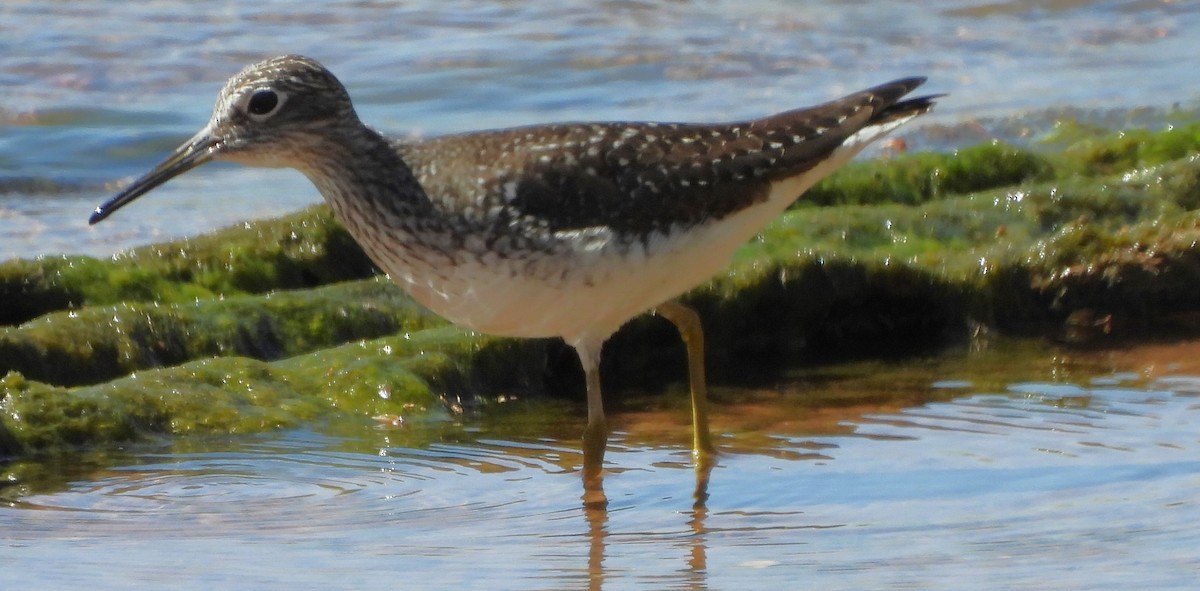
pixel 1143 271
pixel 406 374
pixel 30 288
pixel 921 177
pixel 1028 256
pixel 100 343
pixel 303 250
pixel 1101 153
pixel 297 251
pixel 223 395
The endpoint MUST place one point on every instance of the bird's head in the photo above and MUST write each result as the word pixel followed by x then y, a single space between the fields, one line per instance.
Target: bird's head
pixel 275 113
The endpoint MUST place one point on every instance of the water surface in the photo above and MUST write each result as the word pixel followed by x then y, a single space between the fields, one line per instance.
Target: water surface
pixel 1081 476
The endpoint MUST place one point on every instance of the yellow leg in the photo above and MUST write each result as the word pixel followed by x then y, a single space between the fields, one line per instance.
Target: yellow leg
pixel 595 435
pixel 688 323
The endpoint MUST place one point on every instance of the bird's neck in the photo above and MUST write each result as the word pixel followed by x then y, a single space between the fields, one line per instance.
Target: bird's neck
pixel 362 176
pixel 376 196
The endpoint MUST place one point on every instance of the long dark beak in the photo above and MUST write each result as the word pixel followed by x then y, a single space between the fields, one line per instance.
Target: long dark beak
pixel 193 153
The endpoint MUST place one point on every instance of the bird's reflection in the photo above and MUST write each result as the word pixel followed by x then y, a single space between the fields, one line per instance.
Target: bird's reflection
pixel 696 571
pixel 597 520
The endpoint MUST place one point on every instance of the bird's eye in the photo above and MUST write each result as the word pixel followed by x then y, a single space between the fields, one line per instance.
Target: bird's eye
pixel 263 102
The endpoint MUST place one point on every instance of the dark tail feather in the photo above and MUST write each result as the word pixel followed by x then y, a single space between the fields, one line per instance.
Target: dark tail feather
pixel 888 105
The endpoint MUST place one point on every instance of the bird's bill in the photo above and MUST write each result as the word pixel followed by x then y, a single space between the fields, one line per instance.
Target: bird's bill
pixel 193 153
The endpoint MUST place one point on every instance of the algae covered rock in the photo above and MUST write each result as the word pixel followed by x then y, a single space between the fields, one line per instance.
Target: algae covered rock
pixel 407 373
pixel 302 250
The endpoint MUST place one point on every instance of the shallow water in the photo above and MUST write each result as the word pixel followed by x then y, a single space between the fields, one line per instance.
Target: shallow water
pixel 94 93
pixel 1082 475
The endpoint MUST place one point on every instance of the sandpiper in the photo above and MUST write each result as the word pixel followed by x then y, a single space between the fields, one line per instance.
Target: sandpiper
pixel 565 230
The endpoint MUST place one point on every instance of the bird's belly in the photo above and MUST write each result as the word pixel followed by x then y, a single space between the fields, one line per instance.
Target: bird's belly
pixel 575 299
pixel 582 293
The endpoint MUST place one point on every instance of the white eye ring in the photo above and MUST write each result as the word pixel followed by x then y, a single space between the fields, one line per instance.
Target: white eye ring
pixel 263 103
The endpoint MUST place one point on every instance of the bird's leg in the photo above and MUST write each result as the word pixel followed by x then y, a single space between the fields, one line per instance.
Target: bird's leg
pixel 595 435
pixel 688 322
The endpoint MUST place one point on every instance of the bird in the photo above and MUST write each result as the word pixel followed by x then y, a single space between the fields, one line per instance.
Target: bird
pixel 562 230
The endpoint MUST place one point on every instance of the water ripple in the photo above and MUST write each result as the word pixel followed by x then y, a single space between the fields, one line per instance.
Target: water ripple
pixel 1052 418
pixel 1040 482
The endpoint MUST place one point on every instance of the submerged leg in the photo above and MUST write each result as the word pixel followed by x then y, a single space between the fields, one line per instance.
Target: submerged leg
pixel 595 435
pixel 688 322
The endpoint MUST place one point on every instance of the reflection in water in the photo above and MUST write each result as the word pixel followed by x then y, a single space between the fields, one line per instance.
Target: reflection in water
pixel 597 519
pixel 698 563
pixel 694 570
pixel 1041 483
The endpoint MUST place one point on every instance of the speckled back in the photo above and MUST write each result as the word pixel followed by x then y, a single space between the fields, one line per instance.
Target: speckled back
pixel 640 177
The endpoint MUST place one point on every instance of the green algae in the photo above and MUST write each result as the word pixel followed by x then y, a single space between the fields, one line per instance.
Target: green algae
pixel 302 250
pixel 105 342
pixel 30 288
pixel 921 177
pixel 221 395
pixel 271 324
pixel 914 178
pixel 408 373
pixel 1100 153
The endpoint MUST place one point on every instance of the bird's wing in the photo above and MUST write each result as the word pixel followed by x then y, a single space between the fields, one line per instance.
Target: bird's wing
pixel 636 177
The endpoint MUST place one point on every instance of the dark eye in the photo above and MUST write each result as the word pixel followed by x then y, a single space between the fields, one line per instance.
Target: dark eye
pixel 262 102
